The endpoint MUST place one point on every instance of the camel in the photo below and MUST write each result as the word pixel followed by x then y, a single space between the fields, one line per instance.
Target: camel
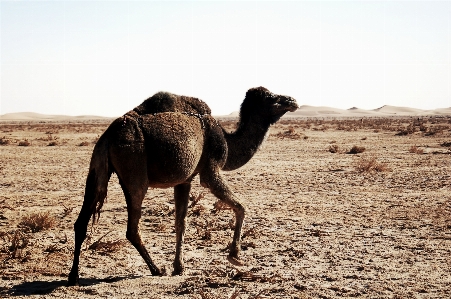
pixel 165 142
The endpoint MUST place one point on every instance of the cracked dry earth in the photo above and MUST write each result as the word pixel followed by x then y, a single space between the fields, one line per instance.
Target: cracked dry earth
pixel 316 226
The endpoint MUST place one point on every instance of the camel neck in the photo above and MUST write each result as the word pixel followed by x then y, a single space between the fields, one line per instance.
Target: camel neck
pixel 244 142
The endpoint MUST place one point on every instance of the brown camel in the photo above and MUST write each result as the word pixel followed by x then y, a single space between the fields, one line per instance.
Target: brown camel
pixel 150 147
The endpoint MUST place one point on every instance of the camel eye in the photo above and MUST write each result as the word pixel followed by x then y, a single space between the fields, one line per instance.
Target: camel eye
pixel 273 98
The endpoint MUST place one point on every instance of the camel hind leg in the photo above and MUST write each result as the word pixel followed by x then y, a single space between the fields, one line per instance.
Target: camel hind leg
pixel 181 196
pixel 134 197
pixel 219 188
pixel 93 194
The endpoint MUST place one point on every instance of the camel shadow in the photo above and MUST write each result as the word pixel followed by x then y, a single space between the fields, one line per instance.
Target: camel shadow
pixel 46 287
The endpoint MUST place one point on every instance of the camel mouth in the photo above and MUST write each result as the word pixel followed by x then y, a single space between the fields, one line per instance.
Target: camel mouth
pixel 288 103
pixel 293 107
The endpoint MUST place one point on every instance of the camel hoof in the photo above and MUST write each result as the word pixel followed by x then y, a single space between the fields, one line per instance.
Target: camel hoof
pixel 235 261
pixel 177 272
pixel 157 272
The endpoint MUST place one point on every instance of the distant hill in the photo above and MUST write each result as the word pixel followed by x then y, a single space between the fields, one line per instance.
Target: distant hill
pixel 386 110
pixel 37 116
pixel 303 111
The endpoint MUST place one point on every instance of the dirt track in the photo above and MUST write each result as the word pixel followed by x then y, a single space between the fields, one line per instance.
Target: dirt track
pixel 316 227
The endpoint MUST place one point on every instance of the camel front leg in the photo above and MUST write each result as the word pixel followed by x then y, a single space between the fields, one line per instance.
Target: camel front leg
pixel 219 188
pixel 181 196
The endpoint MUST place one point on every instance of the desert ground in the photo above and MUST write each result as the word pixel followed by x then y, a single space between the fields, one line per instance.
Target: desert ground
pixel 349 207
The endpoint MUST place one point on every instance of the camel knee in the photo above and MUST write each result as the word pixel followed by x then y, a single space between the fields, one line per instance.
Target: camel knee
pixel 133 236
pixel 240 210
pixel 81 228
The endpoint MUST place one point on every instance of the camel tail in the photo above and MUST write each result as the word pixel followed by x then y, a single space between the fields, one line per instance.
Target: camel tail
pixel 100 171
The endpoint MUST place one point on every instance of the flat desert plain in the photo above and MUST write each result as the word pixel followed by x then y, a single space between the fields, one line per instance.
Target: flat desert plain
pixel 335 208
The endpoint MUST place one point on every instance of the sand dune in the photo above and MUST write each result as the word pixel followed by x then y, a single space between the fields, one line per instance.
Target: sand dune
pixel 383 111
pixel 303 111
pixel 21 116
pixel 387 109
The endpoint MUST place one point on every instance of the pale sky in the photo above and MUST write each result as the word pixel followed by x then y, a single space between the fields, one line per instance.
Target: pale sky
pixel 106 57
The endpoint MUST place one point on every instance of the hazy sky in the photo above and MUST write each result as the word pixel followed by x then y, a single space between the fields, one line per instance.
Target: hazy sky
pixel 106 57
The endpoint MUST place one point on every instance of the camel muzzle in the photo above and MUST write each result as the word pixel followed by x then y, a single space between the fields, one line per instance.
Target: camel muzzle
pixel 290 103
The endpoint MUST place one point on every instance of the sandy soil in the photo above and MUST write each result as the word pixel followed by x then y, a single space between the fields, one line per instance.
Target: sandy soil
pixel 318 225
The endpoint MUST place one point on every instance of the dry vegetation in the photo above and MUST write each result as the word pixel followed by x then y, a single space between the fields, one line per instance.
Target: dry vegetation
pixel 321 223
pixel 36 222
pixel 356 150
pixel 371 165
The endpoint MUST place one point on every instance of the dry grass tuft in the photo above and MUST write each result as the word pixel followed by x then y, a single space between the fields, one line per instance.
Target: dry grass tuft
pixel 4 141
pixel 195 199
pixel 356 150
pixel 37 221
pixel 203 230
pixel 416 150
pixel 104 247
pixel 195 208
pixel 25 143
pixel 333 148
pixel 290 133
pixel 406 131
pixel 67 211
pixel 15 242
pixel 52 248
pixel 198 210
pixel 371 165
pixel 49 137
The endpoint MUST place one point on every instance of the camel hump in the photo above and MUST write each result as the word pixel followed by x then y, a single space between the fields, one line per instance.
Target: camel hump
pixel 168 102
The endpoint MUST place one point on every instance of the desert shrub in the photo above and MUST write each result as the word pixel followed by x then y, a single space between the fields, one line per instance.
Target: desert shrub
pixel 356 150
pixel 333 148
pixel 52 248
pixel 4 141
pixel 371 165
pixel 37 221
pixel 24 143
pixel 195 208
pixel 15 242
pixel 416 150
pixel 290 133
pixel 66 211
pixel 407 131
pixel 435 130
pixel 106 246
pixel 49 137
pixel 198 210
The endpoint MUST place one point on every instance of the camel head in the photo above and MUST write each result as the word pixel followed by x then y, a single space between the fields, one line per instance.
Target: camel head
pixel 267 105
